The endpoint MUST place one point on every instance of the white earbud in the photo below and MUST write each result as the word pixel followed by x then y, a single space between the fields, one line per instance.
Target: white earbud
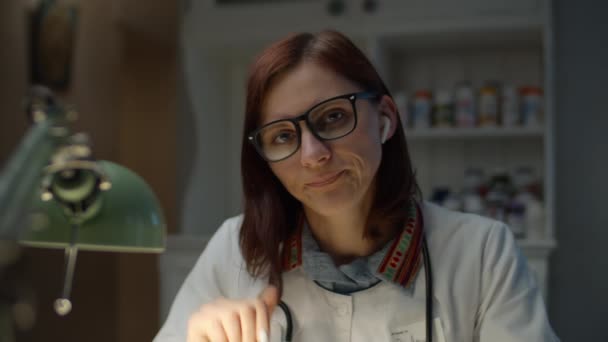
pixel 386 128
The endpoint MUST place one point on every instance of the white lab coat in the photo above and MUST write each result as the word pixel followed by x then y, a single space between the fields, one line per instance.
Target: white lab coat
pixel 483 291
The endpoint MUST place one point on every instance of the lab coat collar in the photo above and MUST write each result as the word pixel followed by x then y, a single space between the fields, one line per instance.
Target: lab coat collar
pixel 402 256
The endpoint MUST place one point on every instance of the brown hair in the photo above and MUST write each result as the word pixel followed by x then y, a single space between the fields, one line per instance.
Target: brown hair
pixel 271 214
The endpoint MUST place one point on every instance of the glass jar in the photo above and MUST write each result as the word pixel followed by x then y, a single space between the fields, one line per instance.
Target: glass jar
pixel 443 115
pixel 531 106
pixel 488 106
pixel 464 105
pixel 421 112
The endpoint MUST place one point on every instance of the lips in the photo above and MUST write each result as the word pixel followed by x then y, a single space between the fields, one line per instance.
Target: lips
pixel 325 179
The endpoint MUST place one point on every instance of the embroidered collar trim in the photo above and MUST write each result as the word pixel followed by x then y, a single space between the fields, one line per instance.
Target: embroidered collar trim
pixel 401 261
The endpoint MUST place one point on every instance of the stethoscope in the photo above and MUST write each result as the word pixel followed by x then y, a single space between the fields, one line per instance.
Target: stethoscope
pixel 429 299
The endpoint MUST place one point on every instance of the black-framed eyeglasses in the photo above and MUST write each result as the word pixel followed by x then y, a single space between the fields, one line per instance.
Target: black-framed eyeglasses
pixel 330 119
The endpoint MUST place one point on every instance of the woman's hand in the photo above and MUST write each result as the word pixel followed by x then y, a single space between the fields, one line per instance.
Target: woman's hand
pixel 225 320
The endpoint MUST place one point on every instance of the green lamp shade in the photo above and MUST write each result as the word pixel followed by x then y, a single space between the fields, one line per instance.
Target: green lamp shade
pixel 128 218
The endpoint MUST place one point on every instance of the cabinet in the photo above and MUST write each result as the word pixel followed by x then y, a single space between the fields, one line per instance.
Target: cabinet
pixel 478 41
pixel 414 44
pixel 438 62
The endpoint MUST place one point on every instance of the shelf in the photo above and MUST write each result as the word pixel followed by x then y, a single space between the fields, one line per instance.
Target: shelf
pixel 537 248
pixel 537 243
pixel 474 133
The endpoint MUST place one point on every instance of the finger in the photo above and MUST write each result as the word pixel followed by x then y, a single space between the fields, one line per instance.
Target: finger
pixel 196 329
pixel 262 336
pixel 270 297
pixel 248 323
pixel 231 323
pixel 215 332
pixel 262 320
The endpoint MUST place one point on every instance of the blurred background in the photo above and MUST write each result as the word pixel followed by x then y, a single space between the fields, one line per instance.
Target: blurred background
pixel 502 103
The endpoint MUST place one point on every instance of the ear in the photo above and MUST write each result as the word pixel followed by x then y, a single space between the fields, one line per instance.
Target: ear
pixel 388 118
pixel 385 128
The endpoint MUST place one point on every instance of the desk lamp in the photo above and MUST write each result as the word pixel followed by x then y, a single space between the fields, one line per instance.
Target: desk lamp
pixel 54 194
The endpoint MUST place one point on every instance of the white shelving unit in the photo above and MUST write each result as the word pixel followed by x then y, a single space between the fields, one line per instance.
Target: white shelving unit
pixel 512 45
pixel 414 44
pixel 466 133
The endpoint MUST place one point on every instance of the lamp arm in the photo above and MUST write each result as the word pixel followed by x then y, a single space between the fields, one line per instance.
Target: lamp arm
pixel 21 176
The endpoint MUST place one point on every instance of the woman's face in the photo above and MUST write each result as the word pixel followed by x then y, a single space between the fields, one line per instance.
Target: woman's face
pixel 334 175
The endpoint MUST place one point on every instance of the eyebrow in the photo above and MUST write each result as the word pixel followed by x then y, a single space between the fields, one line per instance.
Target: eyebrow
pixel 284 116
pixel 277 117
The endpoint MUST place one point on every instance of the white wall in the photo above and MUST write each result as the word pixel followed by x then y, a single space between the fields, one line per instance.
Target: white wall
pixel 204 133
pixel 209 134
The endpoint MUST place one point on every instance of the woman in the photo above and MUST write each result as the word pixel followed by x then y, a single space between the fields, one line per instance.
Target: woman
pixel 333 227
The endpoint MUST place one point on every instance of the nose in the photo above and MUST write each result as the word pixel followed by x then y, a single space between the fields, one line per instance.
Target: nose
pixel 313 152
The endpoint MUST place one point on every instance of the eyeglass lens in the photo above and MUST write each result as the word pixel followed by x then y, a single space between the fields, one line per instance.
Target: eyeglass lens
pixel 329 120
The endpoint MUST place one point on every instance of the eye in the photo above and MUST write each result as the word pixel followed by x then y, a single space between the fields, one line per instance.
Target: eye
pixel 283 137
pixel 333 116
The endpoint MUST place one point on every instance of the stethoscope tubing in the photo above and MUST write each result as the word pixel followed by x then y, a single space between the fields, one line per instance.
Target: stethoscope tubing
pixel 429 299
pixel 428 276
pixel 289 332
